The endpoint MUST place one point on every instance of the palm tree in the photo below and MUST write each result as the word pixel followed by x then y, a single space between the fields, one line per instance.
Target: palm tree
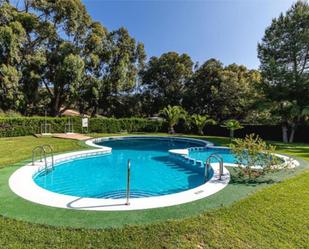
pixel 172 114
pixel 200 121
pixel 291 115
pixel 232 125
pixel 296 115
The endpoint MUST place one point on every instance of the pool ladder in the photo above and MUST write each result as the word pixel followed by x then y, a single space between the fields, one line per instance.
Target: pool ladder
pixel 128 183
pixel 207 165
pixel 44 150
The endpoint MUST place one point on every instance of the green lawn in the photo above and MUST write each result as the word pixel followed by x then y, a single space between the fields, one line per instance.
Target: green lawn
pixel 274 217
pixel 300 150
pixel 16 149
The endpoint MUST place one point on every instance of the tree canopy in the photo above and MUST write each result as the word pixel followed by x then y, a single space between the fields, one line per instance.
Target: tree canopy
pixel 284 55
pixel 164 79
pixel 222 92
pixel 53 56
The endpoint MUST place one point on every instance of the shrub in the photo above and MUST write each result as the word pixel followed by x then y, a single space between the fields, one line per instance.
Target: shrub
pixel 251 152
pixel 232 125
pixel 31 125
pixel 9 114
pixel 200 122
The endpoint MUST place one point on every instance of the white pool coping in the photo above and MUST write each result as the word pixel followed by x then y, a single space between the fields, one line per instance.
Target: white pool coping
pixel 288 162
pixel 21 183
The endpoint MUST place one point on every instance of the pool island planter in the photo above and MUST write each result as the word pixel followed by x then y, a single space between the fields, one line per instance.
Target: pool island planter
pixel 21 183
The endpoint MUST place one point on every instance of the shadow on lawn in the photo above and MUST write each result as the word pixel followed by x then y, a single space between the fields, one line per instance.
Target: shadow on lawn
pixel 235 179
pixel 71 205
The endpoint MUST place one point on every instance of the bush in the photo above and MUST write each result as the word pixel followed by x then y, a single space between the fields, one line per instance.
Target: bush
pixel 251 152
pixel 9 114
pixel 23 126
pixel 266 132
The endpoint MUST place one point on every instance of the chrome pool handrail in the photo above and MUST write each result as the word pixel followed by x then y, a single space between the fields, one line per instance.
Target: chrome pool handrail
pixel 51 151
pixel 33 153
pixel 207 164
pixel 43 152
pixel 128 183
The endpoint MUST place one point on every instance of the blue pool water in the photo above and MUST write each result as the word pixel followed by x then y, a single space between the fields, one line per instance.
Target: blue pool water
pixel 153 171
pixel 228 157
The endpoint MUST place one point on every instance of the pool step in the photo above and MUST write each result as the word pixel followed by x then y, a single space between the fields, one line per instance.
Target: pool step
pixel 122 194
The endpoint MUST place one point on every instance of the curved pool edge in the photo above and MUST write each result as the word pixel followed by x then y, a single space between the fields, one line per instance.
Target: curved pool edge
pixel 183 155
pixel 21 183
pixel 92 142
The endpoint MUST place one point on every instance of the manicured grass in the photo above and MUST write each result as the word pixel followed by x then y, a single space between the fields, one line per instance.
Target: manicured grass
pixel 296 149
pixel 16 149
pixel 274 217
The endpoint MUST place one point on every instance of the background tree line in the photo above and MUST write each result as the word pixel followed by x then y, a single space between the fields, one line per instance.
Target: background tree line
pixel 53 56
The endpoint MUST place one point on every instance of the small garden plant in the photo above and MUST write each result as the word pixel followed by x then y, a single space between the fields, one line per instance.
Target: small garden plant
pixel 232 125
pixel 200 122
pixel 254 156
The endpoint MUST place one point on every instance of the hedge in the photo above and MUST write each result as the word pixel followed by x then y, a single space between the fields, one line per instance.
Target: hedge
pixel 267 132
pixel 23 126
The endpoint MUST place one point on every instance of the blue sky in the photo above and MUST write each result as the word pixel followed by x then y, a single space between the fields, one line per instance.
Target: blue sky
pixel 226 30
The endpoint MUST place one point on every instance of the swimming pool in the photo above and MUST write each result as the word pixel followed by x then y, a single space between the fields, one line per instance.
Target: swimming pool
pixel 225 153
pixel 153 171
pixel 166 171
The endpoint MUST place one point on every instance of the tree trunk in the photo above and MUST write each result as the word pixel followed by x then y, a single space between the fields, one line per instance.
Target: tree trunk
pixel 231 133
pixel 55 107
pixel 171 130
pixel 57 102
pixel 285 133
pixel 94 111
pixel 293 128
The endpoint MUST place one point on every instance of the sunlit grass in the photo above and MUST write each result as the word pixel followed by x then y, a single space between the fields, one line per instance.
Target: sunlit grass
pixel 274 217
pixel 17 149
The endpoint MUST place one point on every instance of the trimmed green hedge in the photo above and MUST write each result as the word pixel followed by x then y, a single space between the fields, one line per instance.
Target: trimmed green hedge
pixel 22 126
pixel 11 127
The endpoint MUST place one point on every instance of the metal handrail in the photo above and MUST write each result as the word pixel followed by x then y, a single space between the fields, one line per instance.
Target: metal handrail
pixel 44 128
pixel 217 155
pixel 33 153
pixel 69 126
pixel 220 159
pixel 43 153
pixel 128 183
pixel 50 151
